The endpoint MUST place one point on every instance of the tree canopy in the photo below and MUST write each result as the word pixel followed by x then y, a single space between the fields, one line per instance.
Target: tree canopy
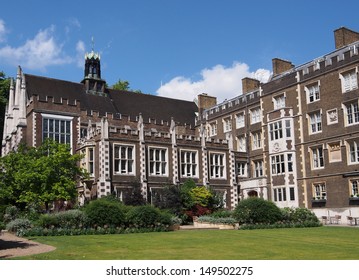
pixel 39 176
pixel 4 95
pixel 124 85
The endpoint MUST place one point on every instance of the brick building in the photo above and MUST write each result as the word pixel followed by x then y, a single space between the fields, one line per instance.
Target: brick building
pixel 293 139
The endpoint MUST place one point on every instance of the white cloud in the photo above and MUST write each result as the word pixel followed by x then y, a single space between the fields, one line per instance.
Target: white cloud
pixel 219 81
pixel 80 53
pixel 2 31
pixel 37 53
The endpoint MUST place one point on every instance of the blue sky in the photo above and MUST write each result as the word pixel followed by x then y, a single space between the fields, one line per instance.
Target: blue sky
pixel 173 48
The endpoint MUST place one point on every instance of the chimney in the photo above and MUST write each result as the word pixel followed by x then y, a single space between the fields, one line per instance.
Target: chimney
pixel 344 36
pixel 205 101
pixel 249 84
pixel 280 66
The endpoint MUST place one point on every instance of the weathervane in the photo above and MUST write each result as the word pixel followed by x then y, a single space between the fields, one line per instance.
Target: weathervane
pixel 92 43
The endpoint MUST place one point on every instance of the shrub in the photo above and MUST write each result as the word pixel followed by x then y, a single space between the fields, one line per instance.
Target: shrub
pixel 217 220
pixel 299 215
pixel 11 213
pixel 67 219
pixel 147 216
pixel 103 212
pixel 222 213
pixel 18 225
pixel 257 210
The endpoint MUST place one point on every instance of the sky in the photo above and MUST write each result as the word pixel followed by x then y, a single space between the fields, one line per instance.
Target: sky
pixel 171 48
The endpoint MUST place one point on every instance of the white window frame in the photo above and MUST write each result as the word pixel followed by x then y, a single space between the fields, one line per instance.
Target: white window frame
pixel 227 124
pixel 256 140
pixel 240 120
pixel 317 157
pixel 353 151
pixel 319 190
pixel 256 115
pixel 354 187
pixel 158 166
pixel 279 194
pixel 279 101
pixel 242 143
pixel 217 165
pixel 242 169
pixel 59 118
pixel 278 164
pixel 349 80
pixel 124 165
pixel 315 122
pixel 352 113
pixel 258 168
pixel 313 92
pixel 275 130
pixel 212 129
pixel 189 163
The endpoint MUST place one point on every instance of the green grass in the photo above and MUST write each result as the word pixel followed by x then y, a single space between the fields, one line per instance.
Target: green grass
pixel 323 243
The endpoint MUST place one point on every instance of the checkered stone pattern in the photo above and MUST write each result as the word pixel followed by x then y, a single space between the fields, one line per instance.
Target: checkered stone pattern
pixel 232 174
pixel 143 169
pixel 104 184
pixel 175 164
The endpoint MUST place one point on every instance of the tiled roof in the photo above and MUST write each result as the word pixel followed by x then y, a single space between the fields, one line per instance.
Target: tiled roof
pixel 116 102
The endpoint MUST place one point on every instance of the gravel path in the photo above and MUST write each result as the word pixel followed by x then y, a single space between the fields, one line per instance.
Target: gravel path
pixel 12 246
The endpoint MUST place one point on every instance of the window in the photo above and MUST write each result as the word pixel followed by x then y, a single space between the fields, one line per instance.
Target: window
pixel 189 163
pixel 258 168
pixel 352 113
pixel 217 165
pixel 241 143
pixel 124 159
pixel 290 162
pixel 91 162
pixel 241 168
pixel 275 130
pixel 313 93
pixel 354 187
pixel 288 129
pixel 319 191
pixel 255 115
pixel 315 122
pixel 279 102
pixel 227 124
pixel 58 128
pixel 240 120
pixel 213 129
pixel 317 157
pixel 256 140
pixel 353 152
pixel 278 164
pixel 280 194
pixel 87 160
pixel 291 194
pixel 158 161
pixel 349 81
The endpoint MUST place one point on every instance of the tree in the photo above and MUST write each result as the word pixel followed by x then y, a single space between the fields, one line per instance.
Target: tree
pixel 4 95
pixel 40 176
pixel 124 85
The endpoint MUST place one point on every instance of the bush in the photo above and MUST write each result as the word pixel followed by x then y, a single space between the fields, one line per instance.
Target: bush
pixel 19 225
pixel 103 212
pixel 67 219
pixel 217 220
pixel 257 210
pixel 299 215
pixel 148 216
pixel 11 213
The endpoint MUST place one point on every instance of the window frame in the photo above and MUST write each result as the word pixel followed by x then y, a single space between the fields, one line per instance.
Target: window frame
pixel 217 166
pixel 67 135
pixel 119 170
pixel 185 164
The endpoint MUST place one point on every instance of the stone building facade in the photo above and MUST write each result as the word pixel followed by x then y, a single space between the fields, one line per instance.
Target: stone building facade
pixel 293 140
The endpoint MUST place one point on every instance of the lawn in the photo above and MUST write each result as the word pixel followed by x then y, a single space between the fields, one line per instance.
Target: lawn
pixel 322 243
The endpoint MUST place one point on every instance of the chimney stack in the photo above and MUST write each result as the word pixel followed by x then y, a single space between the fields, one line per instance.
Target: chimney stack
pixel 205 101
pixel 249 84
pixel 344 36
pixel 280 66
